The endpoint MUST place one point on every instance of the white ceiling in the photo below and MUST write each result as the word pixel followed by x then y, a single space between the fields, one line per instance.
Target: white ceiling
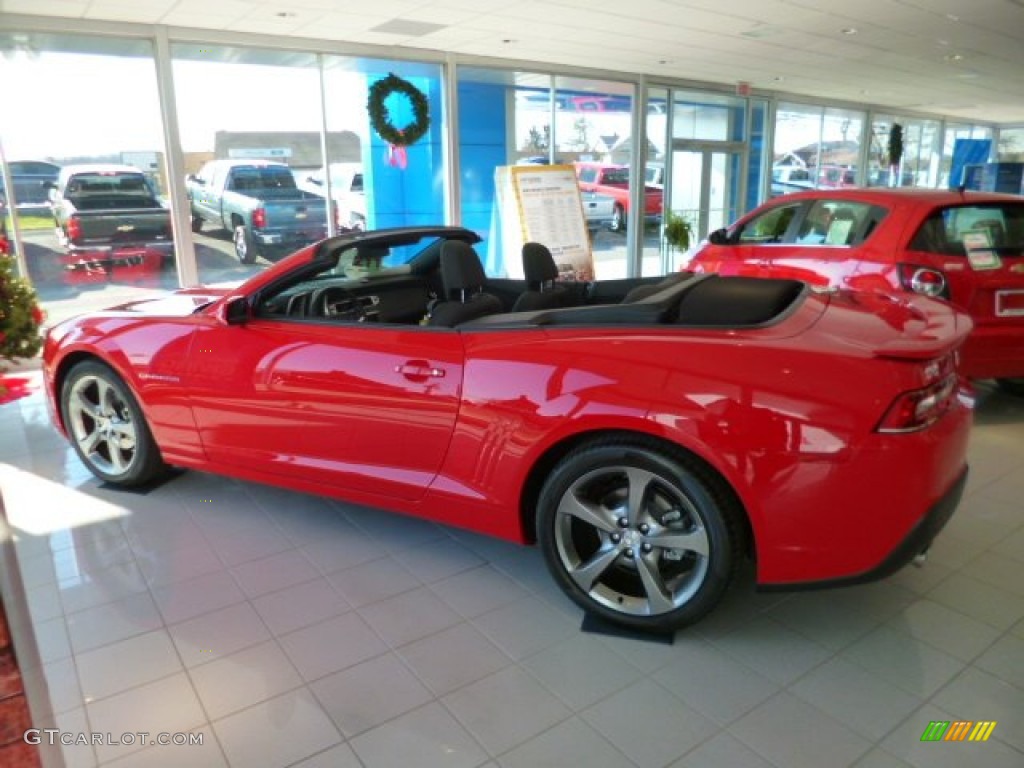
pixel 960 58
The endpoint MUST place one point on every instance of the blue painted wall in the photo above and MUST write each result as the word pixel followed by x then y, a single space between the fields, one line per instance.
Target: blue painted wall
pixel 482 148
pixel 414 195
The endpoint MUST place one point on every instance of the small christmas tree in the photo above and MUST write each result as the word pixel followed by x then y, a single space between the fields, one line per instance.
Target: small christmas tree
pixel 20 315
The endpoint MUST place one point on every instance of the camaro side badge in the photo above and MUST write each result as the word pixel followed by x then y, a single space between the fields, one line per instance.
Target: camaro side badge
pixel 1017 268
pixel 160 377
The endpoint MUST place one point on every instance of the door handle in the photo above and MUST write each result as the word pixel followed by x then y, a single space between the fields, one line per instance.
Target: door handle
pixel 419 370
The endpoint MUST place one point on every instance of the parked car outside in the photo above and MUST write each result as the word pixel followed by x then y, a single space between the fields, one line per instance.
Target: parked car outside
pixel 259 203
pixel 835 176
pixel 32 180
pixel 110 223
pixel 967 248
pixel 346 181
pixel 646 445
pixel 599 210
pixel 613 180
pixel 790 178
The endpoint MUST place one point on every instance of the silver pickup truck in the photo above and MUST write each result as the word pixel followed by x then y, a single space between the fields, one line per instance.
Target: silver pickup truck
pixel 259 203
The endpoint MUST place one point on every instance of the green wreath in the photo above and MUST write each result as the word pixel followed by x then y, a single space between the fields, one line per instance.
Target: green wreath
pixel 381 120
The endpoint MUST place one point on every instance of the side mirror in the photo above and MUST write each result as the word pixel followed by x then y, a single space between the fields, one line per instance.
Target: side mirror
pixel 719 237
pixel 193 179
pixel 236 310
pixel 314 180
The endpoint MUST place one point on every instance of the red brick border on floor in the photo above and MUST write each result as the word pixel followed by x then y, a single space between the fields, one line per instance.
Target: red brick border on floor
pixel 15 718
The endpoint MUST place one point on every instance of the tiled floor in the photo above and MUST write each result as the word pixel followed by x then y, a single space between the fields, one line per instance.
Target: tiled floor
pixel 291 630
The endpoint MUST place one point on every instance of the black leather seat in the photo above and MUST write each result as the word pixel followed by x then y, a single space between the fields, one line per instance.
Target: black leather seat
pixel 541 272
pixel 462 278
pixel 649 289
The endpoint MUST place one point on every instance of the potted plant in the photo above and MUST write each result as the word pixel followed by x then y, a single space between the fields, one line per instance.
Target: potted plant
pixel 678 231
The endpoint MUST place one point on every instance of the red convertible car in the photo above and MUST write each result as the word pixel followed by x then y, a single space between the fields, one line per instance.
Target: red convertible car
pixel 647 437
pixel 965 247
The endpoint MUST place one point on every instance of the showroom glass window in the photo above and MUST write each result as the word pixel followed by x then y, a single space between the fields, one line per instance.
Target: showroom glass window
pixel 93 101
pixel 508 118
pixel 248 109
pixel 919 164
pixel 815 147
pixel 1011 145
pixel 959 132
pixel 593 124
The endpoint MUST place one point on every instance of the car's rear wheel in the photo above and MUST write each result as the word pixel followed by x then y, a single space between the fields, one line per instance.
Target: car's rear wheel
pixel 245 246
pixel 636 536
pixel 1012 386
pixel 618 222
pixel 107 427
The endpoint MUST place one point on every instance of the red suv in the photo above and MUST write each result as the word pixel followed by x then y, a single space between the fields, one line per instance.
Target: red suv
pixel 966 247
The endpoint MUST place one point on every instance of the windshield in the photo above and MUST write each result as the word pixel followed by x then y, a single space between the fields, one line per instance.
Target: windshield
pixel 365 259
pixel 262 177
pixel 616 176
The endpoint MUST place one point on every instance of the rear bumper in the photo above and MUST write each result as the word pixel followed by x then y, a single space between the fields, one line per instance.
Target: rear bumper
pixel 992 352
pixel 128 262
pixel 288 238
pixel 914 543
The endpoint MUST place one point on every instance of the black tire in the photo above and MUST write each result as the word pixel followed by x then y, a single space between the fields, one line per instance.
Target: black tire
pixel 605 518
pixel 107 428
pixel 618 222
pixel 1012 386
pixel 197 223
pixel 245 245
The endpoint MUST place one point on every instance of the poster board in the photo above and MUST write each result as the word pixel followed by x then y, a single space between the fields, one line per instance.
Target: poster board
pixel 542 203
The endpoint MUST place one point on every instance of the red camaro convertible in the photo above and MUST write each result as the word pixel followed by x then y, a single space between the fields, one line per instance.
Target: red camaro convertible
pixel 965 247
pixel 646 436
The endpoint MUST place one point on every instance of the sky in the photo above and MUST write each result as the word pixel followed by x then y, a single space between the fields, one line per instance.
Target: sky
pixel 81 104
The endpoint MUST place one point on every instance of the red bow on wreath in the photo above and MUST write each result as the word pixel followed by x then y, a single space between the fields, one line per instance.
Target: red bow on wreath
pixel 397 156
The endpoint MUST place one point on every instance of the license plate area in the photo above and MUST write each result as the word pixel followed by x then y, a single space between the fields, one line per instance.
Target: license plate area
pixel 1010 303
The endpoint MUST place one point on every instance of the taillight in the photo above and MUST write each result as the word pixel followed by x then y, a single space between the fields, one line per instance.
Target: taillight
pixel 259 218
pixel 919 408
pixel 924 280
pixel 74 229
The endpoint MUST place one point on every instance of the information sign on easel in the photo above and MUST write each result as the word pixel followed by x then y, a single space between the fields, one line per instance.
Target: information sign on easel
pixel 542 203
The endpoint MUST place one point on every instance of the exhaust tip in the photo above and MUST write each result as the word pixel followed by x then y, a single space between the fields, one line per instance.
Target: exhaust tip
pixel 920 558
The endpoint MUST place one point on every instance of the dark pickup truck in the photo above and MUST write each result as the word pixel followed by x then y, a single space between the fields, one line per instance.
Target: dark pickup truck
pixel 108 217
pixel 259 203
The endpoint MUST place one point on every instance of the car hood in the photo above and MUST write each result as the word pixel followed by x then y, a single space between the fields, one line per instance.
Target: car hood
pixel 177 304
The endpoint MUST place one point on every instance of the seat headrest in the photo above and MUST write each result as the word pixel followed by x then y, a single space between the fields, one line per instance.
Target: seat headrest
pixel 538 263
pixel 460 267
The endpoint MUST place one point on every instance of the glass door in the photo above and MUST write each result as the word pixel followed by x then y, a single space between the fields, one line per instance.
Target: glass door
pixel 705 187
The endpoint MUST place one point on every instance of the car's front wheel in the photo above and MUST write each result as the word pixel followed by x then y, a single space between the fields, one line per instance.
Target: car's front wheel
pixel 106 426
pixel 635 536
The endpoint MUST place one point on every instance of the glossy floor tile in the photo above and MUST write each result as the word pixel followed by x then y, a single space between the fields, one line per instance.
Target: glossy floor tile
pixel 280 629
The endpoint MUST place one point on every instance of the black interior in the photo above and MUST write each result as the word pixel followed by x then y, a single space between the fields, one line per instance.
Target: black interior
pixel 446 286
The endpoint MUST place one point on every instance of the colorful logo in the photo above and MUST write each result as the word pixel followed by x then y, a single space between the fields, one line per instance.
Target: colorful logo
pixel 958 730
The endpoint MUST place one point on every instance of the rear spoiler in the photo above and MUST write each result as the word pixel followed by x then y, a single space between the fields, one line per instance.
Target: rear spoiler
pixel 945 329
